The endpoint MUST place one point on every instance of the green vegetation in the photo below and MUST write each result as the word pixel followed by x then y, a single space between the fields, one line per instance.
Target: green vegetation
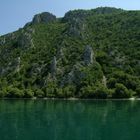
pixel 86 54
pixel 121 91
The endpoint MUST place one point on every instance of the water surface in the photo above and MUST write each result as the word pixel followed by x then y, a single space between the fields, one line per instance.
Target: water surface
pixel 69 120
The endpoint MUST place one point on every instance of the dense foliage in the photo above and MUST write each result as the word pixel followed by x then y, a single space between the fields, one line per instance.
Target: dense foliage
pixel 86 54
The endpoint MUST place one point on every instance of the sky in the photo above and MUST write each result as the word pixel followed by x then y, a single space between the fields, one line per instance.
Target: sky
pixel 14 14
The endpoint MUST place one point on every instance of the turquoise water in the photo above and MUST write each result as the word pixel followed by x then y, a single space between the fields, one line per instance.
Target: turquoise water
pixel 69 120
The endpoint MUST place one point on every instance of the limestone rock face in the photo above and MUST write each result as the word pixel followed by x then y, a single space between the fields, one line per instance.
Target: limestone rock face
pixel 43 18
pixel 18 62
pixel 88 55
pixel 25 39
pixel 2 41
pixel 7 38
pixel 76 14
pixel 77 74
pixel 74 76
pixel 36 69
pixel 60 53
pixel 104 81
pixel 76 20
pixel 77 28
pixel 12 66
pixel 53 66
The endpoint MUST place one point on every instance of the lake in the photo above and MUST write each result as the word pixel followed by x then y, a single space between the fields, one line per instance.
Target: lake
pixel 69 120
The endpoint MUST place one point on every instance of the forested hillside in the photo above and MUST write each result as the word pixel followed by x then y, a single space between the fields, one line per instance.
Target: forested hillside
pixel 85 54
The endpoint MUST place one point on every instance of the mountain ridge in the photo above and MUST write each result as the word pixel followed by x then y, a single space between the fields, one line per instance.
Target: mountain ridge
pixel 85 54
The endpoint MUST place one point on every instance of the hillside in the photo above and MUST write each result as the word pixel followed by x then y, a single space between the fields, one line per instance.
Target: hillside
pixel 85 54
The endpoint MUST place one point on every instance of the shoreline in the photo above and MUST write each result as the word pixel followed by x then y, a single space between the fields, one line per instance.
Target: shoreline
pixel 74 99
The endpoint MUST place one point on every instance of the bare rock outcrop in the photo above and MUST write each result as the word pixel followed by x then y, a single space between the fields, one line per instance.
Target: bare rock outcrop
pixel 2 41
pixel 88 55
pixel 44 17
pixel 25 39
pixel 76 21
pixel 18 63
pixel 53 67
pixel 74 76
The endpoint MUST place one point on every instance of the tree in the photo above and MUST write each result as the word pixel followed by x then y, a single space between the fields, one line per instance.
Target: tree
pixel 14 92
pixel 138 91
pixel 39 93
pixel 121 91
pixel 97 91
pixel 111 83
pixel 28 93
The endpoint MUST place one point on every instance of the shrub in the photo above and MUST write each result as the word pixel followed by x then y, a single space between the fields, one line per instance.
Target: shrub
pixel 28 93
pixel 121 91
pixel 98 91
pixel 69 91
pixel 111 83
pixel 59 92
pixel 14 92
pixel 138 91
pixel 3 93
pixel 66 92
pixel 50 92
pixel 101 92
pixel 86 92
pixel 39 93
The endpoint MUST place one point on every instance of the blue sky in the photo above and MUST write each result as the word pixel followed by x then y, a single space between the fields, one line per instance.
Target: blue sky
pixel 15 13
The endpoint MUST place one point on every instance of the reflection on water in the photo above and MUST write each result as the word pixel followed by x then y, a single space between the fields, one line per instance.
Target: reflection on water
pixel 69 120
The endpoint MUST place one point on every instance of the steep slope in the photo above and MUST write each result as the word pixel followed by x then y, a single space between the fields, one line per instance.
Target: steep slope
pixel 86 54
